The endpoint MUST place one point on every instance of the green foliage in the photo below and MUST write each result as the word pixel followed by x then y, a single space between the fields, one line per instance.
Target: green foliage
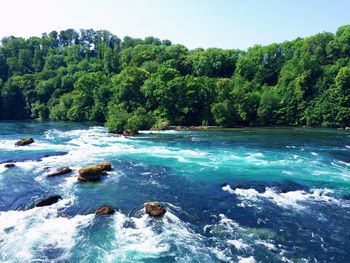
pixel 117 118
pixel 134 84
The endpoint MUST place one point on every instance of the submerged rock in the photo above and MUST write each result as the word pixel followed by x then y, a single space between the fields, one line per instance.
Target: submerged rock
pixel 24 141
pixel 154 209
pixel 49 200
pixel 346 197
pixel 105 210
pixel 60 171
pixel 9 165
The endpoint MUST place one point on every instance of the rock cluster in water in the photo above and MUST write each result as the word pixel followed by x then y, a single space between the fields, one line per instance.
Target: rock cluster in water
pixel 89 174
pixel 24 141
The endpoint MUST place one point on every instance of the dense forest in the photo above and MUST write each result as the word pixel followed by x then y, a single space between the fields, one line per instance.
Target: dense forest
pixel 133 84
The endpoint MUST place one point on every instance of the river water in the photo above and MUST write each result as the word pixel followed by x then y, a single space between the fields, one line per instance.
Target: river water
pixel 240 195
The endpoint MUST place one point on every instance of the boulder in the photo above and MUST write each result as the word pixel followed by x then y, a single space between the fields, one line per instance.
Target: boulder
pixel 130 133
pixel 106 166
pixel 154 209
pixel 24 141
pixel 90 173
pixel 9 165
pixel 60 171
pixel 49 200
pixel 94 172
pixel 105 210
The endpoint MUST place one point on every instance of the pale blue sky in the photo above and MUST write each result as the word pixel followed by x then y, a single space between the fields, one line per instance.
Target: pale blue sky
pixel 194 23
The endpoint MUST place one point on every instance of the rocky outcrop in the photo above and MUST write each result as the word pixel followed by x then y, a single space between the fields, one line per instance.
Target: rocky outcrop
pixel 24 141
pixel 60 171
pixel 154 209
pixel 105 210
pixel 90 173
pixel 93 172
pixel 130 133
pixel 49 200
pixel 9 165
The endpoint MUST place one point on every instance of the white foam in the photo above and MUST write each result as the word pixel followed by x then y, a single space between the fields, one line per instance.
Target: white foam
pixel 193 153
pixel 238 244
pixel 246 260
pixel 266 244
pixel 26 234
pixel 292 199
pixel 151 239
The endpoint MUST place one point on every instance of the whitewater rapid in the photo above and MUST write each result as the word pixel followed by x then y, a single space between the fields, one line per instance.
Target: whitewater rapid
pixel 228 199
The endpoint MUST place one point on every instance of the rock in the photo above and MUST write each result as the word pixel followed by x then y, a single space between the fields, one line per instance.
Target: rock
pixel 89 178
pixel 48 200
pixel 106 166
pixel 90 173
pixel 130 133
pixel 24 141
pixel 347 128
pixel 9 165
pixel 91 170
pixel 154 209
pixel 60 171
pixel 94 172
pixel 105 210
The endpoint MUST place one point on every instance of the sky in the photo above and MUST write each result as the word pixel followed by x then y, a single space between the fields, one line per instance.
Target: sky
pixel 193 23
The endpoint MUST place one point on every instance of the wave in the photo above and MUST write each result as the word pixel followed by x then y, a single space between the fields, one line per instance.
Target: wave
pixel 44 234
pixel 145 238
pixel 299 199
pixel 244 243
pixel 32 234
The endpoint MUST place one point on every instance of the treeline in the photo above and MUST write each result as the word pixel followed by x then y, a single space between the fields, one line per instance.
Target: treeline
pixel 136 84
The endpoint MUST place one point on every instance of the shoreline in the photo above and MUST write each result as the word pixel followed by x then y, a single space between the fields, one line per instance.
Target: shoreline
pixel 191 127
pixel 219 128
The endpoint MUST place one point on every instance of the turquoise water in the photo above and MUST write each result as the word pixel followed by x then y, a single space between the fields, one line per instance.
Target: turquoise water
pixel 245 195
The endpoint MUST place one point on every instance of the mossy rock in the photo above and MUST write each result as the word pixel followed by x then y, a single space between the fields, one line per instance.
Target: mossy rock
pixel 155 209
pixel 106 166
pixel 24 141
